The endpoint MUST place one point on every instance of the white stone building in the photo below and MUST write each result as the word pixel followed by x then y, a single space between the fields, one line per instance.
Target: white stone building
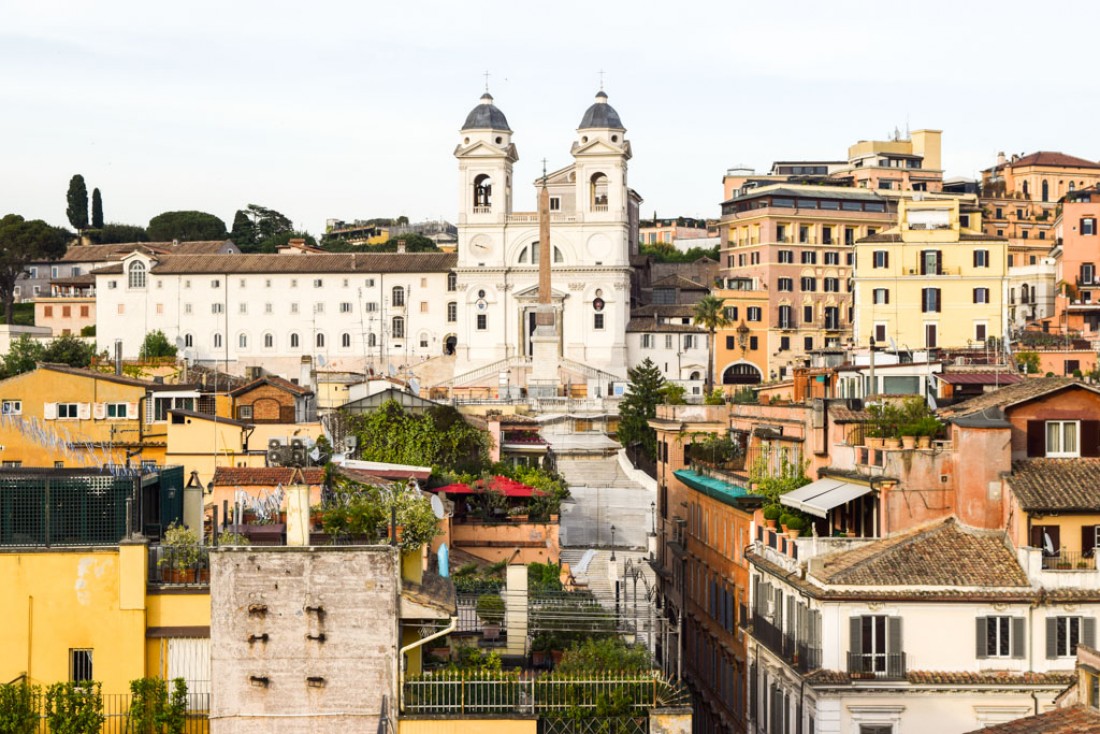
pixel 354 311
pixel 942 629
pixel 594 217
pixel 667 335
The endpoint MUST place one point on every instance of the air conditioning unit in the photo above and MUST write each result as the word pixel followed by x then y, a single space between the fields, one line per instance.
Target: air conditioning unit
pixel 274 457
pixel 351 442
pixel 273 444
pixel 297 443
pixel 297 457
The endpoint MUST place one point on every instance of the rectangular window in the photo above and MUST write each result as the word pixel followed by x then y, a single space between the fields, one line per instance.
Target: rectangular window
pixel 981 258
pixel 318 308
pixel 808 314
pixel 121 308
pixel 832 318
pixel 784 343
pixel 80 665
pixel 881 296
pixel 930 300
pixel 117 411
pixel 555 203
pixel 1024 234
pixel 786 257
pixel 187 308
pixel 849 235
pixel 689 341
pixel 1062 439
pixel 880 333
pixel 482 322
pixel 423 307
pixel 244 412
pixel 345 307
pixel 216 308
pixel 808 343
pixel 597 321
pixel 647 341
pixel 809 284
pixel 318 283
pixel 881 259
pixel 243 308
pixel 931 336
pixel 11 407
pixel 964 221
pixel 831 285
pixel 786 317
pixel 753 313
pixel 48 312
pixel 216 283
pixel 1065 633
pixel 294 308
pixel 753 343
pixel 786 284
pixel 780 233
pixel 981 330
pixel 668 341
pixel 981 295
pixel 827 239
pixel 268 308
pixel 1088 225
pixel 832 258
pixel 809 257
pixel 804 237
pixel 731 313
pixel 68 410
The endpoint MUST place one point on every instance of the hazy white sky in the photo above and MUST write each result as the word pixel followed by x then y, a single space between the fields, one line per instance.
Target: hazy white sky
pixel 351 109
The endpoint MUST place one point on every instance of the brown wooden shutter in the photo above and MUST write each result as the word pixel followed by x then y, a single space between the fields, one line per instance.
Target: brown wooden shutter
pixel 1052 638
pixel 1090 438
pixel 939 263
pixel 855 635
pixel 1088 540
pixel 1036 439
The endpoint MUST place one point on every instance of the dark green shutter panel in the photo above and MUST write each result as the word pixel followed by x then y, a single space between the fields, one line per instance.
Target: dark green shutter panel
pixel 1052 638
pixel 980 637
pixel 1019 642
pixel 1088 634
pixel 893 635
pixel 1090 438
pixel 855 644
pixel 1036 439
pixel 1088 540
pixel 939 265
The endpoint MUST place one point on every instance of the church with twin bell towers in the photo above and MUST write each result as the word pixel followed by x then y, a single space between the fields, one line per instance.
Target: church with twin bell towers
pixel 547 314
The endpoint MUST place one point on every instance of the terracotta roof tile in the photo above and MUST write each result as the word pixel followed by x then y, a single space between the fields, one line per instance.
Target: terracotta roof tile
pixel 649 325
pixel 103 253
pixel 344 263
pixel 944 553
pixel 1057 485
pixel 963 237
pixel 1078 719
pixel 683 310
pixel 1012 395
pixel 1052 158
pixel 112 377
pixel 274 381
pixel 263 476
pixel 678 281
pixel 953 678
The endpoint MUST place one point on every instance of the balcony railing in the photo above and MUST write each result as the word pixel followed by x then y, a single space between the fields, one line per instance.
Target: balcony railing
pixel 179 566
pixel 884 666
pixel 1069 561
pixel 799 654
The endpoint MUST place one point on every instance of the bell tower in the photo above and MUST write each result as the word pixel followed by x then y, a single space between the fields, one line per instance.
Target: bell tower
pixel 485 156
pixel 601 152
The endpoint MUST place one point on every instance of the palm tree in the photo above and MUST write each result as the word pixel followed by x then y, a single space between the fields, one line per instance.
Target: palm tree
pixel 710 313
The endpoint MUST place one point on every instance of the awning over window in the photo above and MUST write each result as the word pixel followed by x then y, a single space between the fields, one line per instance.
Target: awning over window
pixel 823 495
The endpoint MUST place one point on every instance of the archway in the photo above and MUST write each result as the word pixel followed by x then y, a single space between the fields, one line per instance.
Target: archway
pixel 741 373
pixel 450 343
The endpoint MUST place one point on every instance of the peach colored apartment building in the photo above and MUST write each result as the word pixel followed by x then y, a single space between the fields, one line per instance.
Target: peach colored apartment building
pixel 796 245
pixel 65 314
pixel 1077 258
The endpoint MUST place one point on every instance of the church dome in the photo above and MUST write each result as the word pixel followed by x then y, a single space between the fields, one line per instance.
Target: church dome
pixel 601 115
pixel 486 116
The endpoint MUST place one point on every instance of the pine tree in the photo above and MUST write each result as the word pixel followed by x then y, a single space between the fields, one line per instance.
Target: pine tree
pixel 77 199
pixel 643 394
pixel 243 233
pixel 97 210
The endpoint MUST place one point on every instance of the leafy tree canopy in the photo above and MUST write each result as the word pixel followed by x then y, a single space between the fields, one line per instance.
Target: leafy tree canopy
pixel 666 252
pixel 255 228
pixel 271 244
pixel 413 243
pixel 439 438
pixel 23 242
pixel 77 203
pixel 186 226
pixel 645 391
pixel 97 209
pixel 156 344
pixel 113 233
pixel 70 350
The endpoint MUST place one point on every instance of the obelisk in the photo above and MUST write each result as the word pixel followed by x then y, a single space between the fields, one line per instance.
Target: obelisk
pixel 544 342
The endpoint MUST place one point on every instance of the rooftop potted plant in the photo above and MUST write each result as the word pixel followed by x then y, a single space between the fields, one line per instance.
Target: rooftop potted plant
pixel 772 513
pixel 490 610
pixel 181 556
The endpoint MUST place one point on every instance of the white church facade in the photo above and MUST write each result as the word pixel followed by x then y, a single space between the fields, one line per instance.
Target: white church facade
pixel 593 232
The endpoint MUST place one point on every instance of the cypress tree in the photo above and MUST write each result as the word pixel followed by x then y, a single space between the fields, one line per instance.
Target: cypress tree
pixel 97 210
pixel 77 199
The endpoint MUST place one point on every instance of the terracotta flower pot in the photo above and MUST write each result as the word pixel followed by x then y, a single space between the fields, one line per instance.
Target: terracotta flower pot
pixel 770 524
pixel 908 442
pixel 924 442
pixel 793 534
pixel 892 443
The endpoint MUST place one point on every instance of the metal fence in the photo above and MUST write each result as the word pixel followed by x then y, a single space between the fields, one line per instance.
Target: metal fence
pixel 170 566
pixel 466 693
pixel 65 511
pixel 595 725
pixel 116 714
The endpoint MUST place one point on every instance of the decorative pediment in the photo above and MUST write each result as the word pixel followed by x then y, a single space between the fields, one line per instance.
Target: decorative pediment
pixel 531 293
pixel 597 147
pixel 560 177
pixel 484 149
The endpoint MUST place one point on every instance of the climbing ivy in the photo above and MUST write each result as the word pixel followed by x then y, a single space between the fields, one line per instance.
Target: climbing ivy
pixel 439 438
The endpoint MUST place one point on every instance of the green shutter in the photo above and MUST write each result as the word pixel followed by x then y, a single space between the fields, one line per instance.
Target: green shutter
pixel 981 631
pixel 1019 642
pixel 855 644
pixel 1088 631
pixel 1052 638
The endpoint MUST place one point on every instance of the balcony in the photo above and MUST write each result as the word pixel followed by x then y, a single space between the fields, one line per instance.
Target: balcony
pixel 1069 561
pixel 884 666
pixel 179 565
pixel 799 655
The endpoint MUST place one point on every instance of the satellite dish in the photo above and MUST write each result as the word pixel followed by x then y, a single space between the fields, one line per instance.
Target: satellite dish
pixel 893 345
pixel 392 372
pixel 437 507
pixel 414 386
pixel 321 360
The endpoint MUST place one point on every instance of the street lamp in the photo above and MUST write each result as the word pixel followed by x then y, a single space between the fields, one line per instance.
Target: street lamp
pixel 612 542
pixel 653 515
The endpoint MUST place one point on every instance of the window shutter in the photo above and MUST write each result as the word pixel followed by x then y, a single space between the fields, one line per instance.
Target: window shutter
pixel 132 411
pixel 1088 540
pixel 855 644
pixel 1052 638
pixel 1090 438
pixel 1036 439
pixel 939 264
pixel 886 259
pixel 99 411
pixel 975 258
pixel 1018 640
pixel 936 293
pixel 1088 631
pixel 887 295
pixel 924 300
pixel 893 635
pixel 84 411
pixel 49 411
pixel 980 637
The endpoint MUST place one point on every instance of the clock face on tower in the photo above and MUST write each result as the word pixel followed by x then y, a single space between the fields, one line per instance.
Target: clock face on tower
pixel 481 247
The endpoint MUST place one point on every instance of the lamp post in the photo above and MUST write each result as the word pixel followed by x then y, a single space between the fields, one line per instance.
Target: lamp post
pixel 743 338
pixel 873 387
pixel 612 542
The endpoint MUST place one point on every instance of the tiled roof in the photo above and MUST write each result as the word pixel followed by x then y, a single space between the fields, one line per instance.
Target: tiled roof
pixel 683 310
pixel 951 678
pixel 102 253
pixel 1012 395
pixel 842 414
pixel 263 476
pixel 274 381
pixel 345 263
pixel 1053 158
pixel 980 378
pixel 943 553
pixel 678 281
pixel 963 237
pixel 209 417
pixel 112 377
pixel 649 325
pixel 1057 485
pixel 1079 719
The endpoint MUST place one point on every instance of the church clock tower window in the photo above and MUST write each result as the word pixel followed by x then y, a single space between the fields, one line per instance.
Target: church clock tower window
pixel 599 192
pixel 483 193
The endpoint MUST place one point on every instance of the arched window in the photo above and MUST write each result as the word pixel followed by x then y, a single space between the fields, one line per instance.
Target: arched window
pixel 398 329
pixel 483 192
pixel 1046 191
pixel 398 300
pixel 320 340
pixel 188 341
pixel 741 373
pixel 523 255
pixel 452 281
pixel 137 274
pixel 269 341
pixel 598 191
pixel 217 341
pixel 345 340
pixel 533 251
pixel 558 256
pixel 1026 187
pixel 242 341
pixel 293 341
pixel 372 339
pixel 695 376
pixel 1072 186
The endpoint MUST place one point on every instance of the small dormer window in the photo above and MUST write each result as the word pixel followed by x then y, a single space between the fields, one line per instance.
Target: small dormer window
pixel 137 274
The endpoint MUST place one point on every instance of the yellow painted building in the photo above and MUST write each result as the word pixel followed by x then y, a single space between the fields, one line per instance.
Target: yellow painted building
pixel 64 416
pixel 931 282
pixel 70 610
pixel 741 348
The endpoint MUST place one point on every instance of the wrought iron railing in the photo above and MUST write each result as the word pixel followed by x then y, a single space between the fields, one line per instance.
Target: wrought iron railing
pixel 116 714
pixel 179 565
pixel 1070 561
pixel 881 666
pixel 801 655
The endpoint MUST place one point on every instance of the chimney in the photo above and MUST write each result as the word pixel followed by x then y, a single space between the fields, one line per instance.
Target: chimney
pixel 118 357
pixel 401 246
pixel 305 372
pixel 299 243
pixel 1001 158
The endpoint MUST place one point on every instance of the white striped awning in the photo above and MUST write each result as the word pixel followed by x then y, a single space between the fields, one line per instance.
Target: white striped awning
pixel 823 495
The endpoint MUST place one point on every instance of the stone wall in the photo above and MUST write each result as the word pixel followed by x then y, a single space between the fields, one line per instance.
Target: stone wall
pixel 294 680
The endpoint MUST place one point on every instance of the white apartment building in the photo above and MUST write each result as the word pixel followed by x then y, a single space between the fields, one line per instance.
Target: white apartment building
pixel 351 311
pixel 667 335
pixel 942 629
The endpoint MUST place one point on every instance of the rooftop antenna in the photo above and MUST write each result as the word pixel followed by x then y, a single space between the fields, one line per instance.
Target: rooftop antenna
pixel 486 75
